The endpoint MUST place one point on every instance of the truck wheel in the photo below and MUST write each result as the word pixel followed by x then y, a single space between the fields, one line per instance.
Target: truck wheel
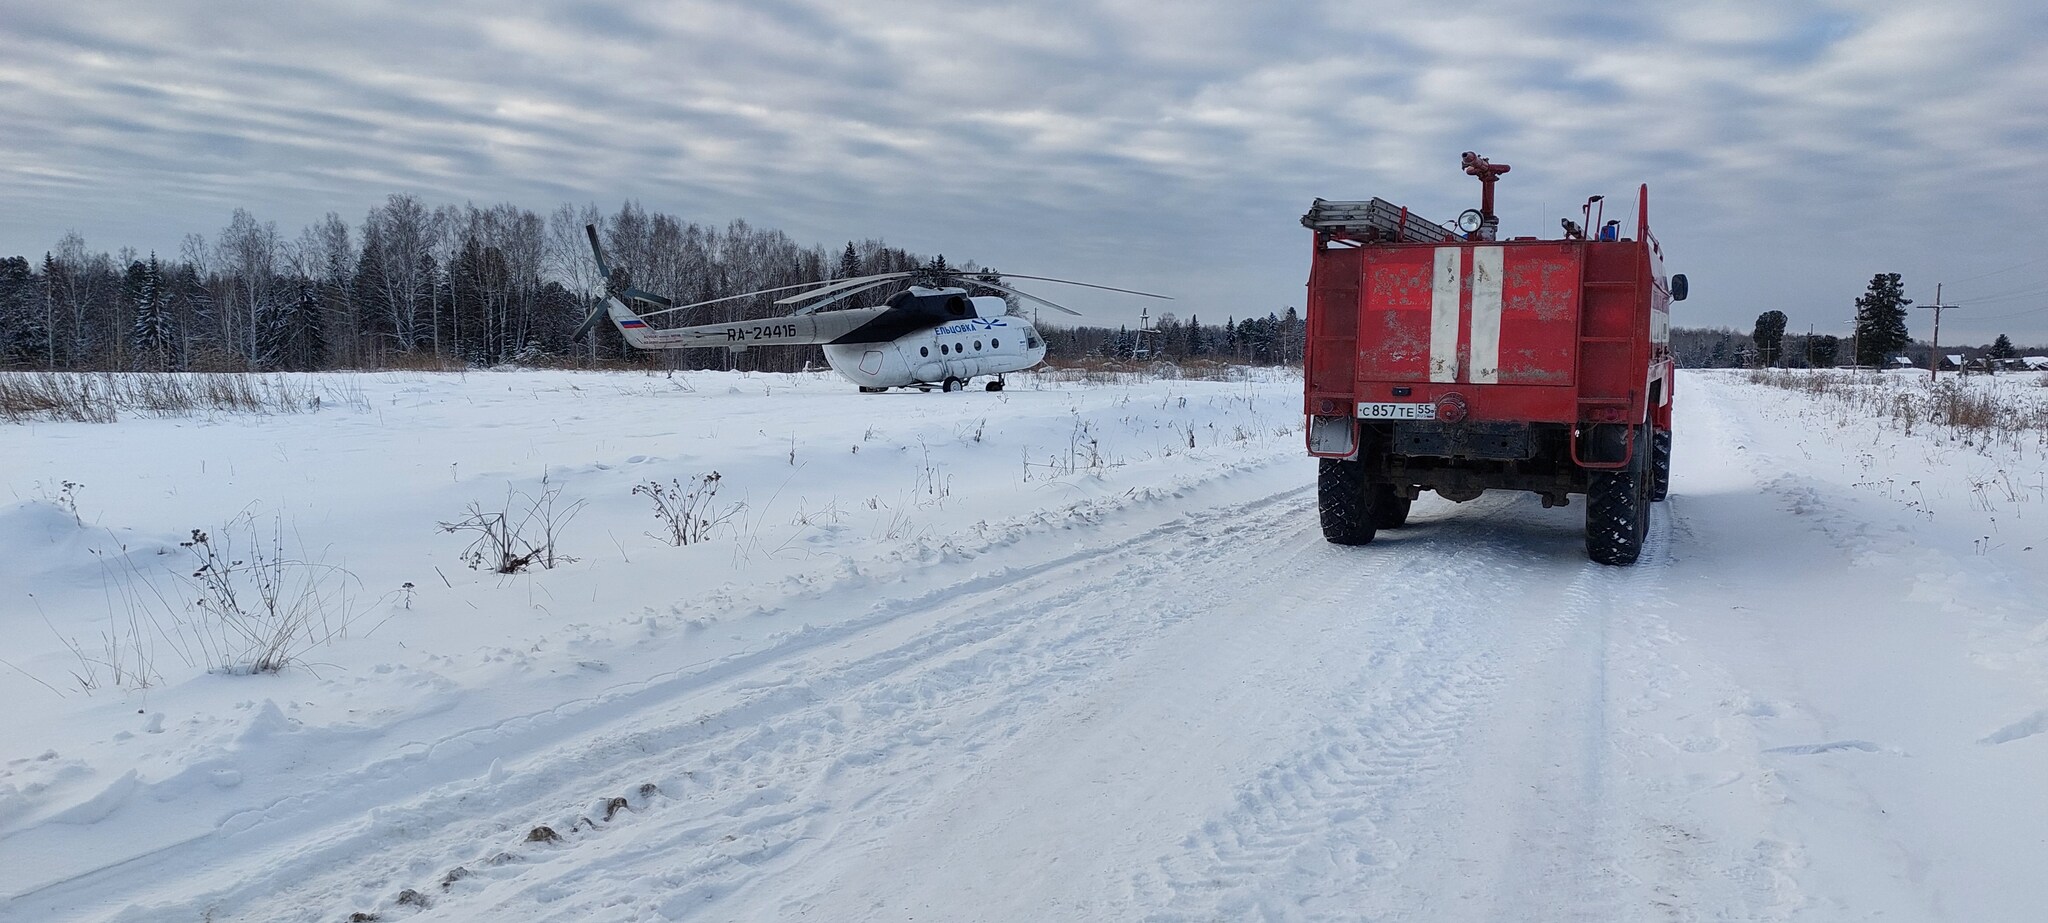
pixel 1346 502
pixel 1660 465
pixel 1618 508
pixel 1392 512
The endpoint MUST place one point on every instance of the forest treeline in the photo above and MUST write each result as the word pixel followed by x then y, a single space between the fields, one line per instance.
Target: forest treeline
pixel 437 287
pixel 419 286
pixel 410 285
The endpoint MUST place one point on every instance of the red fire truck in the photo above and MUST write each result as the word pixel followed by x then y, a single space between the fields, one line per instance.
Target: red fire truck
pixel 1441 358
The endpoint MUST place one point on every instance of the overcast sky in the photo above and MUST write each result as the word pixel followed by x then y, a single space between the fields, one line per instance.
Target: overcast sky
pixel 1792 149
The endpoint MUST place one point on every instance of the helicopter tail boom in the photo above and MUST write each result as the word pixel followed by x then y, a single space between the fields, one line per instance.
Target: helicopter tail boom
pixel 799 330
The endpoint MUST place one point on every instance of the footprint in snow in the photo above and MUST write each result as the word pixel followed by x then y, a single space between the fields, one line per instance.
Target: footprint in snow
pixel 2023 728
pixel 1812 749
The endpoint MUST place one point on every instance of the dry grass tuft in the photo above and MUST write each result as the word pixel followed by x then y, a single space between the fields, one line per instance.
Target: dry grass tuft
pixel 1994 411
pixel 100 397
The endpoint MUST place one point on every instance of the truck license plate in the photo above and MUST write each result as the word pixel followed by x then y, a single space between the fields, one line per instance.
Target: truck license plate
pixel 1369 410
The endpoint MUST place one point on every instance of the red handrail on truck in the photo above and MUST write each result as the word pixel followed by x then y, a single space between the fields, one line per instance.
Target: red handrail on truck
pixel 1446 360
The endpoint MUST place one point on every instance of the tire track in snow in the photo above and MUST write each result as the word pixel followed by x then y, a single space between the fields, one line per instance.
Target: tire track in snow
pixel 953 705
pixel 1563 840
pixel 1379 819
pixel 967 642
pixel 1318 834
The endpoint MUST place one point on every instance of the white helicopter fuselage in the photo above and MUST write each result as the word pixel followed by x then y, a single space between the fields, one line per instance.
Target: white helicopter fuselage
pixel 919 337
pixel 959 351
pixel 876 348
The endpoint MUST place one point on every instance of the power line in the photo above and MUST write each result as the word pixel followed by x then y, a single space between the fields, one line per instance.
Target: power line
pixel 1984 275
pixel 2014 314
pixel 2016 293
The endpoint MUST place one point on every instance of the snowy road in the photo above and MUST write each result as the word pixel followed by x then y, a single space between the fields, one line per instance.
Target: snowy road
pixel 1807 702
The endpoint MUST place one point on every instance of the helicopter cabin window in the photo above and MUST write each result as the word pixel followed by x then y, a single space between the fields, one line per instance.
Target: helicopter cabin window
pixel 1031 342
pixel 977 345
pixel 924 351
pixel 995 344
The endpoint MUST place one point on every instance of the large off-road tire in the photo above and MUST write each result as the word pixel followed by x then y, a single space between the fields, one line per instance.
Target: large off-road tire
pixel 1391 512
pixel 1346 502
pixel 951 385
pixel 1618 508
pixel 1660 465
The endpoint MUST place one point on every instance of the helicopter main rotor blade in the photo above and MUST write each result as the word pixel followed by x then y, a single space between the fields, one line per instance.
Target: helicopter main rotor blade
pixel 1027 295
pixel 765 291
pixel 1105 288
pixel 849 293
pixel 831 287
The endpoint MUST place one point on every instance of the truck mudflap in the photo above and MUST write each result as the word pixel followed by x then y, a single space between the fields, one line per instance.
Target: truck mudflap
pixel 1604 446
pixel 1332 437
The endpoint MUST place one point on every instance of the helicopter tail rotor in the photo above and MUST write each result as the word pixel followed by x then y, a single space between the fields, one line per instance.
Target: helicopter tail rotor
pixel 617 284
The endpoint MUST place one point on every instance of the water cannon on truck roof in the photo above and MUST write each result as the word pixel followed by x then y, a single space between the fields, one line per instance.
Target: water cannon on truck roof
pixel 1442 358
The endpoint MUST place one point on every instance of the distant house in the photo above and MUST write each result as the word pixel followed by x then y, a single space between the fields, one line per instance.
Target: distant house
pixel 1951 362
pixel 2034 363
pixel 1900 362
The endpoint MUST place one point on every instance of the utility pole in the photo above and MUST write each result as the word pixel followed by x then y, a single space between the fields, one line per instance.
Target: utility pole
pixel 1141 342
pixel 1934 361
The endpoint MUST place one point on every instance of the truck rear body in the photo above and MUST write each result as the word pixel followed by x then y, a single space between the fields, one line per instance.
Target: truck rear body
pixel 1446 361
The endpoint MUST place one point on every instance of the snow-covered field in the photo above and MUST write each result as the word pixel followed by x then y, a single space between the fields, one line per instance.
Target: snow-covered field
pixel 1071 651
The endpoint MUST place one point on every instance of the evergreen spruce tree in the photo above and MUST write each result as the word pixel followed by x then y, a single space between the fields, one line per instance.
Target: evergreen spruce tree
pixel 292 336
pixel 367 286
pixel 311 323
pixel 1770 337
pixel 1824 350
pixel 2001 348
pixel 150 336
pixel 849 262
pixel 188 301
pixel 23 335
pixel 55 279
pixel 1881 320
pixel 273 332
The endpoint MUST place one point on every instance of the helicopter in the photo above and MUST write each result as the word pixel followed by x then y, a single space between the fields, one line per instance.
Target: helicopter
pixel 932 333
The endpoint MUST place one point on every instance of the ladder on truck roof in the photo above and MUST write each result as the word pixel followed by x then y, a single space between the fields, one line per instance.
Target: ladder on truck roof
pixel 1373 220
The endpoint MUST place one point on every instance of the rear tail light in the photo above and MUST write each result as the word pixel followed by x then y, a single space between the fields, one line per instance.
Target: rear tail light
pixel 1451 409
